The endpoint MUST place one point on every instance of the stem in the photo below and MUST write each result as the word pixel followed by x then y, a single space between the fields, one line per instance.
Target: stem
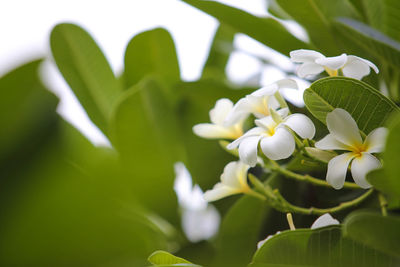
pixel 317 211
pixel 289 218
pixel 307 178
pixel 281 100
pixel 383 203
pixel 256 195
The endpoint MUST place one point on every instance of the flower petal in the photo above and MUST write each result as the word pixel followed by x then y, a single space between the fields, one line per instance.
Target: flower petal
pixel 343 127
pixel 363 165
pixel 301 124
pixel 252 132
pixel 333 63
pixel 337 169
pixel 248 150
pixel 330 143
pixel 305 55
pixel 211 131
pixel 200 224
pixel 324 220
pixel 309 68
pixel 219 191
pixel 375 141
pixel 357 67
pixel 220 111
pixel 279 146
pixel 268 90
pixel 235 175
pixel 287 83
pixel 239 112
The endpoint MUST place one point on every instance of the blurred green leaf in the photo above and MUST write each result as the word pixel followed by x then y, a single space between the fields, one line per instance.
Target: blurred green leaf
pixel 160 257
pixel 240 230
pixel 71 208
pixel 86 70
pixel 27 112
pixel 388 180
pixel 369 108
pixel 146 134
pixel 151 53
pixel 268 31
pixel 319 247
pixel 384 15
pixel 371 40
pixel 220 50
pixel 316 17
pixel 375 231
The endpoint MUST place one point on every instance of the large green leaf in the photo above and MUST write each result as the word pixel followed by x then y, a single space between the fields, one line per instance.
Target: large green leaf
pixel 316 17
pixel 240 231
pixel 265 30
pixel 371 40
pixel 27 112
pixel 151 53
pixel 375 231
pixel 319 247
pixel 220 50
pixel 86 70
pixel 388 180
pixel 146 134
pixel 367 106
pixel 384 15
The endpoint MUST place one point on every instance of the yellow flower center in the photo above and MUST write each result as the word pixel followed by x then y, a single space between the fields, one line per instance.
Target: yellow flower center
pixel 331 72
pixel 359 149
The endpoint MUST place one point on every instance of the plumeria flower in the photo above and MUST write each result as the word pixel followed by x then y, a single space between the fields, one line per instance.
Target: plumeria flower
pixel 233 181
pixel 200 220
pixel 322 221
pixel 344 135
pixel 217 129
pixel 276 140
pixel 315 63
pixel 259 102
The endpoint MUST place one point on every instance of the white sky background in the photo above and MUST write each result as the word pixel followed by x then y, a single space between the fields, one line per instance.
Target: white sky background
pixel 25 27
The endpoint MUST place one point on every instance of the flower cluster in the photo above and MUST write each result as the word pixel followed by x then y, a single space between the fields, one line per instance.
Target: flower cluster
pixel 278 134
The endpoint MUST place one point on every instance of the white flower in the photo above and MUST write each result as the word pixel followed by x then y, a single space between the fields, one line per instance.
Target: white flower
pixel 322 221
pixel 217 129
pixel 315 63
pixel 344 135
pixel 276 140
pixel 259 102
pixel 200 220
pixel 233 181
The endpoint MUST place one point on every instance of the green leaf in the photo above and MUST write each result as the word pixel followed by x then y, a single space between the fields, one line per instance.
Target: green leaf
pixel 146 134
pixel 86 70
pixel 372 41
pixel 27 114
pixel 375 231
pixel 387 180
pixel 220 50
pixel 369 108
pixel 384 15
pixel 316 17
pixel 160 257
pixel 151 53
pixel 240 231
pixel 265 30
pixel 319 247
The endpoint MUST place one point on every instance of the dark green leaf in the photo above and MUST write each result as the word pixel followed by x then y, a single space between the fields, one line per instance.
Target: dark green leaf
pixel 372 41
pixel 151 53
pixel 86 70
pixel 145 132
pixel 316 17
pixel 369 108
pixel 240 231
pixel 375 231
pixel 384 15
pixel 265 30
pixel 220 50
pixel 319 247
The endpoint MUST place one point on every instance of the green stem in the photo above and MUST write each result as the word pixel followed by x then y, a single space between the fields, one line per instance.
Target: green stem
pixel 306 178
pixel 256 195
pixel 281 100
pixel 287 207
pixel 383 203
